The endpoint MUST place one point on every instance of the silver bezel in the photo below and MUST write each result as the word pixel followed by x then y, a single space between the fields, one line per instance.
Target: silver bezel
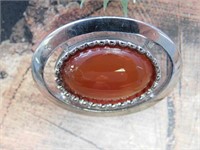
pixel 72 99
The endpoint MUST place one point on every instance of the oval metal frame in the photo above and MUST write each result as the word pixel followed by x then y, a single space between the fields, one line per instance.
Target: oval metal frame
pixel 99 24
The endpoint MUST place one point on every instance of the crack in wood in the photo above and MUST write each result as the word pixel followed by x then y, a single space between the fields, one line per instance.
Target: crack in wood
pixel 24 51
pixel 70 132
pixel 171 124
pixel 3 74
pixel 14 94
pixel 180 37
pixel 92 12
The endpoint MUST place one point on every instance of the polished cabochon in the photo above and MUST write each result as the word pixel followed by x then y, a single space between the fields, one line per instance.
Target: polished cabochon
pixel 106 65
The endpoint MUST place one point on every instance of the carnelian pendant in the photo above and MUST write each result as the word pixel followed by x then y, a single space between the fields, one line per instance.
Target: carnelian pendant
pixel 107 74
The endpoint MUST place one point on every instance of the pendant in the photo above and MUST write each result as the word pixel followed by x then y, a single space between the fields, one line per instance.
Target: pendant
pixel 106 65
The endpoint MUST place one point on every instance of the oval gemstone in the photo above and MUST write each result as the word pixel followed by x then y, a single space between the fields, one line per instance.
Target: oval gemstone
pixel 106 74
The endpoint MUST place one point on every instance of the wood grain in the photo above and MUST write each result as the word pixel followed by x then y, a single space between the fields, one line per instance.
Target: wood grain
pixel 30 121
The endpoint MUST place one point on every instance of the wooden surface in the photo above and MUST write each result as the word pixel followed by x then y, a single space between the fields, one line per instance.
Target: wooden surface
pixel 30 121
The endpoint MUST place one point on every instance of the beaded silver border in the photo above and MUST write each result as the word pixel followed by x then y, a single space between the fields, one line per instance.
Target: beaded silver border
pixel 70 98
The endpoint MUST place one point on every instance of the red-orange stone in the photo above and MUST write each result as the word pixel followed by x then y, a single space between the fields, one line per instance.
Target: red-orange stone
pixel 106 74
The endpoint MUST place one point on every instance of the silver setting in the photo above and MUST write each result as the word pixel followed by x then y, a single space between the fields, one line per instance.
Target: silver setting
pixel 137 34
pixel 83 103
